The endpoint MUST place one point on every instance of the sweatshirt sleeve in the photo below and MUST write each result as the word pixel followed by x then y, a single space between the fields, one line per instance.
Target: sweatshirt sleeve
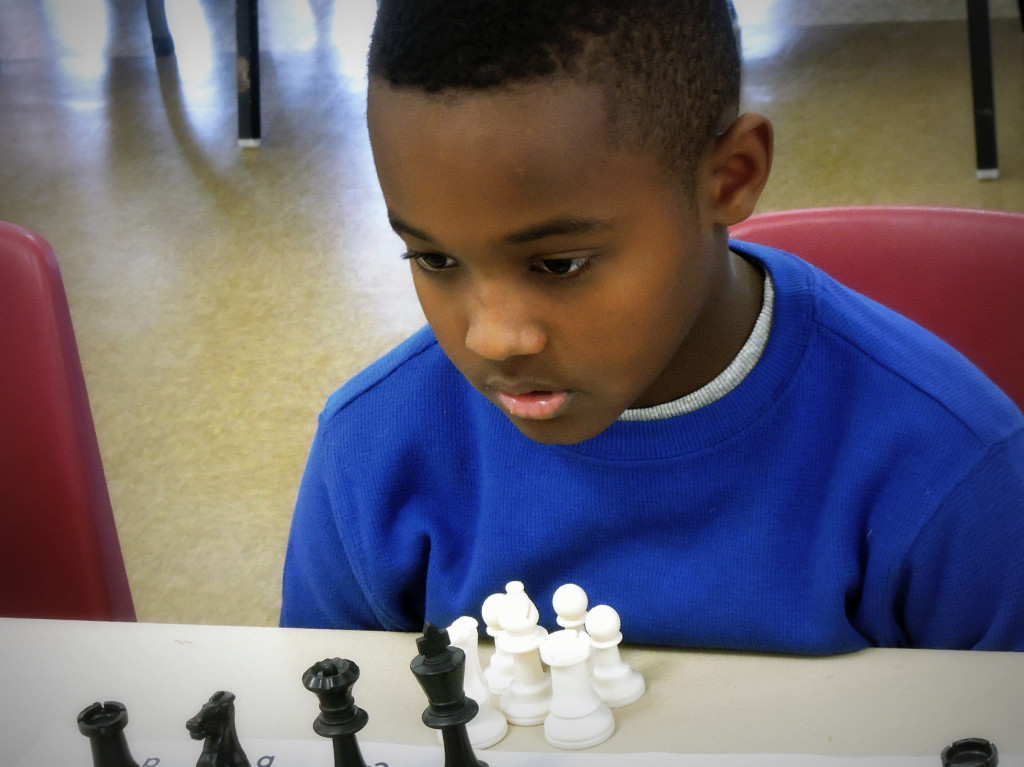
pixel 320 588
pixel 964 574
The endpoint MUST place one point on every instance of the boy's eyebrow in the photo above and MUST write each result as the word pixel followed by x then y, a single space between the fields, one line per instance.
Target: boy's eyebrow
pixel 401 227
pixel 556 227
pixel 553 228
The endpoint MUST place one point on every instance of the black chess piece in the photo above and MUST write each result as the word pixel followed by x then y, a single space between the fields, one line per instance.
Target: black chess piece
pixel 104 723
pixel 441 669
pixel 215 724
pixel 340 718
pixel 971 752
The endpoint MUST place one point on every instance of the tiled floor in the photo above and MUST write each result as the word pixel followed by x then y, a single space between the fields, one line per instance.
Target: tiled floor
pixel 219 294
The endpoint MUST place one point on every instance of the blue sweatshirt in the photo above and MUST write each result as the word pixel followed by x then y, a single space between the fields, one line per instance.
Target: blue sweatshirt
pixel 862 486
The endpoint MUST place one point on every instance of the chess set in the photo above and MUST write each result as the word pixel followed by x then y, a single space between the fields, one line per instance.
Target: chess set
pixel 566 681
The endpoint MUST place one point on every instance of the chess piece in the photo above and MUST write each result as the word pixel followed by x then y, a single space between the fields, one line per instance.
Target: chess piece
pixel 489 725
pixel 578 718
pixel 215 724
pixel 499 671
pixel 104 724
pixel 528 697
pixel 570 603
pixel 615 681
pixel 440 670
pixel 970 752
pixel 340 718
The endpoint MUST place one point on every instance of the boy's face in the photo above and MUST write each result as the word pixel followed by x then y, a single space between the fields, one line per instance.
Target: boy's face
pixel 566 279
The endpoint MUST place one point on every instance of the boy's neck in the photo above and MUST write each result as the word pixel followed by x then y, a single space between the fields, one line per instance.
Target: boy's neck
pixel 718 336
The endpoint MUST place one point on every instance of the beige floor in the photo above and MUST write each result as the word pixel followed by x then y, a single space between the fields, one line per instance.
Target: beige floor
pixel 220 294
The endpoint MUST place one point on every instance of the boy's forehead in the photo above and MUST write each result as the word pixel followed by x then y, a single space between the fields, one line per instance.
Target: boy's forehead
pixel 549 132
pixel 501 161
pixel 532 153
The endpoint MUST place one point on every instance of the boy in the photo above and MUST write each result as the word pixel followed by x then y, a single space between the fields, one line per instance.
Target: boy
pixel 723 444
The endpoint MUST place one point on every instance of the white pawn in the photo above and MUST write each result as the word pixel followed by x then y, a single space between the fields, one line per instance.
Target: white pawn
pixel 570 603
pixel 615 681
pixel 528 698
pixel 499 671
pixel 578 718
pixel 489 725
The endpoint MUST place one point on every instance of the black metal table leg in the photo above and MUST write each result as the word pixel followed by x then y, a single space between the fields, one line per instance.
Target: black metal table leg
pixel 163 43
pixel 980 36
pixel 247 29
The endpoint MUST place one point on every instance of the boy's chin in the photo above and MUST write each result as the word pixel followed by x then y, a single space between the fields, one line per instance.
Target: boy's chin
pixel 558 431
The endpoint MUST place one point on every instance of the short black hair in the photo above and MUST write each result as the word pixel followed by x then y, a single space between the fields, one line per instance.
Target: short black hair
pixel 669 69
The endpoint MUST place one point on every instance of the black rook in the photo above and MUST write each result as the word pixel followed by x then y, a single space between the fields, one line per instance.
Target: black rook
pixel 104 724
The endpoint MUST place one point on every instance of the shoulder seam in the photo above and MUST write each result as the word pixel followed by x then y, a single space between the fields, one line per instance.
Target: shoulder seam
pixel 376 373
pixel 836 333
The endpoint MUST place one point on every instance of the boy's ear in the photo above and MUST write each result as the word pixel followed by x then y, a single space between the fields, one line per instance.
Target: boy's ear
pixel 738 168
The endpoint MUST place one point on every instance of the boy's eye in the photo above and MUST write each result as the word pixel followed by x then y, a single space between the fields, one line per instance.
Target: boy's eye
pixel 432 262
pixel 563 266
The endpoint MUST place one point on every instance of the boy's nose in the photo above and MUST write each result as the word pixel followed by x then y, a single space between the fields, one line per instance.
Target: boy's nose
pixel 499 330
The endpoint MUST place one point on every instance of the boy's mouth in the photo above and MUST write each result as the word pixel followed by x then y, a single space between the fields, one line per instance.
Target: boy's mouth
pixel 533 405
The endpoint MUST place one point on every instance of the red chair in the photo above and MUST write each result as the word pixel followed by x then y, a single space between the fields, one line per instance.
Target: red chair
pixel 957 272
pixel 59 551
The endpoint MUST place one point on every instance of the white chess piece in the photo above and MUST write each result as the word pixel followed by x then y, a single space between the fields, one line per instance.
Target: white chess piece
pixel 615 681
pixel 528 698
pixel 489 725
pixel 499 671
pixel 578 718
pixel 570 603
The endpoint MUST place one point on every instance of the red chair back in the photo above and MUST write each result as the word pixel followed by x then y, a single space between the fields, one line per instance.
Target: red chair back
pixel 59 551
pixel 957 272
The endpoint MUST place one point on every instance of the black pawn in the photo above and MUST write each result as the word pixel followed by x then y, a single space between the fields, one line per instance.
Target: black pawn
pixel 340 718
pixel 441 670
pixel 104 724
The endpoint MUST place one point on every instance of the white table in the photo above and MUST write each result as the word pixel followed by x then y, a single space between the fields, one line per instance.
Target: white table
pixel 876 702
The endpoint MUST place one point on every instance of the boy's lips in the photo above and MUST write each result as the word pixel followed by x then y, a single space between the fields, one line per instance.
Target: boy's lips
pixel 533 405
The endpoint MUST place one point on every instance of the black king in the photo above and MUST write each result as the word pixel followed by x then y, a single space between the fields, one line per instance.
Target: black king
pixel 441 670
